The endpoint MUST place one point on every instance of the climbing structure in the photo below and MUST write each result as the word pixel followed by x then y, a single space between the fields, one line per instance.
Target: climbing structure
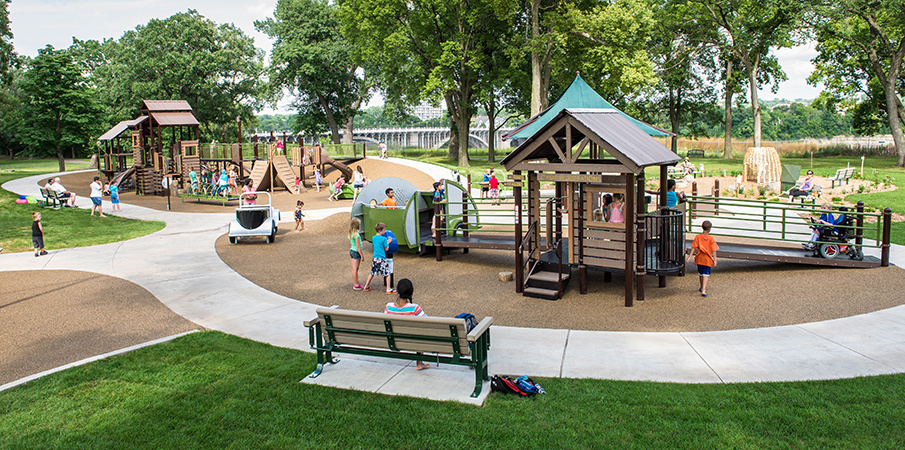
pixel 762 165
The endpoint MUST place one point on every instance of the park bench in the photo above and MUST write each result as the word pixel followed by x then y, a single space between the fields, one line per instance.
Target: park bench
pixel 52 198
pixel 440 339
pixel 841 175
pixel 695 152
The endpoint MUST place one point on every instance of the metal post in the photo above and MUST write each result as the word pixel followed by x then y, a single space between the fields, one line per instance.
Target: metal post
pixel 859 224
pixel 887 228
pixel 438 243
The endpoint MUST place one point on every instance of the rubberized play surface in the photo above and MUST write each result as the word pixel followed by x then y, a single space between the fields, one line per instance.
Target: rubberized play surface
pixel 742 294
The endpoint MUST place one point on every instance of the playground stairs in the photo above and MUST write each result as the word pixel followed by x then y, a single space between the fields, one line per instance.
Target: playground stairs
pixel 544 282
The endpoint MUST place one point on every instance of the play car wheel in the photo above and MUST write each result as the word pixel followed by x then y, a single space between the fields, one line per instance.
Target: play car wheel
pixel 271 237
pixel 232 239
pixel 459 229
pixel 829 251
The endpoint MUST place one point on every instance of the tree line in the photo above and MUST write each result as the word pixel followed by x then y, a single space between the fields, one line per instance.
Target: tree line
pixel 683 64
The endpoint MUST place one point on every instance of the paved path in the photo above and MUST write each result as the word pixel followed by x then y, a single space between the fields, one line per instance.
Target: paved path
pixel 180 266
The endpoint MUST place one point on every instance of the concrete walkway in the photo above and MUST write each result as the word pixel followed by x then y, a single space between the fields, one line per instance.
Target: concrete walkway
pixel 180 266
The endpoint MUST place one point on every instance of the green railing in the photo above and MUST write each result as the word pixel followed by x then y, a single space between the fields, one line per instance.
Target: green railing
pixel 474 217
pixel 779 221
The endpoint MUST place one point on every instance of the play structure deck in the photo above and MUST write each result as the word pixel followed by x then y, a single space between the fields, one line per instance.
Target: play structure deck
pixel 789 255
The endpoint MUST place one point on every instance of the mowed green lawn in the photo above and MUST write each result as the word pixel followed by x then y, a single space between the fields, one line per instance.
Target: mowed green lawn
pixel 67 228
pixel 211 390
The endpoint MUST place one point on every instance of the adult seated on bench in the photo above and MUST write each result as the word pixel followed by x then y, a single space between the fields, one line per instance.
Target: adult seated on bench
pixel 400 336
pixel 805 188
pixel 61 191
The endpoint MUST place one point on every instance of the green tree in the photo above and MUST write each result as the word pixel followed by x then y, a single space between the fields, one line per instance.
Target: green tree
pixel 313 61
pixel 7 55
pixel 748 30
pixel 861 47
pixel 216 68
pixel 428 49
pixel 58 111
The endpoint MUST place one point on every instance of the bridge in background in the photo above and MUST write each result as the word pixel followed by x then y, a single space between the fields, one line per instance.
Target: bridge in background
pixel 419 137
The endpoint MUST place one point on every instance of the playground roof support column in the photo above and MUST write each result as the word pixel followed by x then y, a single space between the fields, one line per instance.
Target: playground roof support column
pixel 519 263
pixel 629 234
pixel 640 239
pixel 664 177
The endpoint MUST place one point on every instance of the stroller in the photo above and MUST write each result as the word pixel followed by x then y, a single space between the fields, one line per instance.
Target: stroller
pixel 834 240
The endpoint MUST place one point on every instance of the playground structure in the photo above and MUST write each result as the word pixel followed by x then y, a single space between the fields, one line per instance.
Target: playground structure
pixel 762 165
pixel 165 145
pixel 412 220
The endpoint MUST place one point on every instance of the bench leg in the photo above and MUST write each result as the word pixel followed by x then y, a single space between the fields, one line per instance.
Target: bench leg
pixel 323 357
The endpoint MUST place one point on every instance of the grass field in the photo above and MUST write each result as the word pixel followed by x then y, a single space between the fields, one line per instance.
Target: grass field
pixel 211 390
pixel 67 228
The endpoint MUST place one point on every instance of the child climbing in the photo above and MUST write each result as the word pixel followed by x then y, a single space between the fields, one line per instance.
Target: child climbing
pixel 337 189
pixel 299 222
pixel 355 251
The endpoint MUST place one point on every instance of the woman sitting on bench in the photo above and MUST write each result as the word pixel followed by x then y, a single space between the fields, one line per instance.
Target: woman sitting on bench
pixel 805 188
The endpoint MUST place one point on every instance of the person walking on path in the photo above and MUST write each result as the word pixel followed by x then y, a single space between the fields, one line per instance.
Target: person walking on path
pixel 114 196
pixel 37 234
pixel 355 251
pixel 97 197
pixel 703 249
pixel 383 150
pixel 379 266
pixel 404 306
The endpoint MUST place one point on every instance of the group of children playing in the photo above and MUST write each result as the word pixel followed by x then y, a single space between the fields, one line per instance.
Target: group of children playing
pixel 382 258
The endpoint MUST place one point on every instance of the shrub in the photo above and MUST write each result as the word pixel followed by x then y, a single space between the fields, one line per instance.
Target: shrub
pixel 836 199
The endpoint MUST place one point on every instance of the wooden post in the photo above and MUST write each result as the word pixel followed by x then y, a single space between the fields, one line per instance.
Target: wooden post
pixel 887 228
pixel 691 205
pixel 465 220
pixel 716 197
pixel 629 244
pixel 859 224
pixel 664 181
pixel 254 141
pixel 640 268
pixel 519 263
pixel 582 268
pixel 468 180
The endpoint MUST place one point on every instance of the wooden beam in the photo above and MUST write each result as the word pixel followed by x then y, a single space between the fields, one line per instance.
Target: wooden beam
pixel 522 155
pixel 576 155
pixel 628 207
pixel 558 150
pixel 568 140
pixel 578 167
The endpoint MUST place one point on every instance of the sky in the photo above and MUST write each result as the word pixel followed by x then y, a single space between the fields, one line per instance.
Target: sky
pixel 36 23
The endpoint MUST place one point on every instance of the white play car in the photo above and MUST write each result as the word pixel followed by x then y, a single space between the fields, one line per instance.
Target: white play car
pixel 254 220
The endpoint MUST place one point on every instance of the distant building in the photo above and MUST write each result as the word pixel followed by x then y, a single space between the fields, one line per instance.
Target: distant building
pixel 425 111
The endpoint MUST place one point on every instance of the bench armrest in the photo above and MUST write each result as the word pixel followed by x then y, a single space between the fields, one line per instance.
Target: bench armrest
pixel 311 322
pixel 479 329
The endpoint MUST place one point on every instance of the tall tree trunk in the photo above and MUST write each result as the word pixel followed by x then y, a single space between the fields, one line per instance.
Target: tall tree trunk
pixel 727 120
pixel 349 128
pixel 490 106
pixel 752 67
pixel 462 127
pixel 61 160
pixel 895 125
pixel 536 91
pixel 331 120
pixel 453 135
pixel 674 119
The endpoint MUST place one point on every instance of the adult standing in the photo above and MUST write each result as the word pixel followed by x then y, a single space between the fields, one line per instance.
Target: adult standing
pixel 97 197
pixel 62 192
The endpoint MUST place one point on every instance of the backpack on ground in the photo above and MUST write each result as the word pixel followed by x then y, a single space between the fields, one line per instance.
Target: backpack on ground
pixel 521 386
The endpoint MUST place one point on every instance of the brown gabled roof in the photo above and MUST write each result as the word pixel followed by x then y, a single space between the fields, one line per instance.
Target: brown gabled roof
pixel 624 139
pixel 174 119
pixel 165 105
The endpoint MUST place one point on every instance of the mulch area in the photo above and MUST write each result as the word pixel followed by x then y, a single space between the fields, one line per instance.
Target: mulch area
pixel 54 317
pixel 283 200
pixel 314 266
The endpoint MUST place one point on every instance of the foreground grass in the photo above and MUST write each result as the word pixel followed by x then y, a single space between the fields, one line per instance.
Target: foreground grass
pixel 211 390
pixel 67 228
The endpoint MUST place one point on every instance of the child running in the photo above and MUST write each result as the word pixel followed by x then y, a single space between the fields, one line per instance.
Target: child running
pixel 299 222
pixel 404 306
pixel 37 234
pixel 355 252
pixel 380 267
pixel 704 248
pixel 337 189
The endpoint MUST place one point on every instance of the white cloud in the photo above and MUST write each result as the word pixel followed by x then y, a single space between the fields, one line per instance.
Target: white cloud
pixel 796 62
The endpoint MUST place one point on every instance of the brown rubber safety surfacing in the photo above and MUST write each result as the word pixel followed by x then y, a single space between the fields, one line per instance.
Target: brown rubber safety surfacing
pixel 283 200
pixel 314 266
pixel 55 317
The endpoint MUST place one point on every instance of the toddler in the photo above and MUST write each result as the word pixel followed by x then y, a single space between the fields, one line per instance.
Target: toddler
pixel 299 222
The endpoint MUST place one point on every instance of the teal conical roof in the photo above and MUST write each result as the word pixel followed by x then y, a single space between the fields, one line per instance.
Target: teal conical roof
pixel 578 96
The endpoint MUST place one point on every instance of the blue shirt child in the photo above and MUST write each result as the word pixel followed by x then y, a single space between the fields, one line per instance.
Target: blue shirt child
pixel 380 246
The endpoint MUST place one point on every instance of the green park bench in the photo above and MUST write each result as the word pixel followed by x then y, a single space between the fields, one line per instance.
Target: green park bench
pixel 52 199
pixel 695 152
pixel 840 176
pixel 430 339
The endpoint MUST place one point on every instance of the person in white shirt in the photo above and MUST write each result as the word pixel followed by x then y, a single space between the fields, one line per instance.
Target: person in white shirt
pixel 97 197
pixel 63 193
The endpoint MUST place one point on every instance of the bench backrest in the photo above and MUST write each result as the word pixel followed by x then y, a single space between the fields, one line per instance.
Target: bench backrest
pixel 379 330
pixel 849 172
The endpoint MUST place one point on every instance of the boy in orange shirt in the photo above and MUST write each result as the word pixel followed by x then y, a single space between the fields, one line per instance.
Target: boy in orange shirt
pixel 703 249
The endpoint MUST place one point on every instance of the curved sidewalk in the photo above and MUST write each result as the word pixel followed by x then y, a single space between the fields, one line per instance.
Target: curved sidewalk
pixel 180 266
